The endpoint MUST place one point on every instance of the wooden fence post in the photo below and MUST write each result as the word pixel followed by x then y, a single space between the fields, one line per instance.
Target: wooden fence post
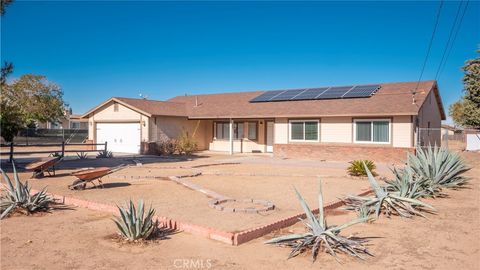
pixel 105 146
pixel 63 148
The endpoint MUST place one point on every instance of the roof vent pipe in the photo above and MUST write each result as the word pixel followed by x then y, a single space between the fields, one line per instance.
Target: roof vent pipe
pixel 414 102
pixel 196 101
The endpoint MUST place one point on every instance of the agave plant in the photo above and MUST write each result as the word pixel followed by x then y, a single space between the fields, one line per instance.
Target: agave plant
pixel 133 224
pixel 356 167
pixel 82 155
pixel 18 197
pixel 320 236
pixel 385 202
pixel 407 185
pixel 105 154
pixel 441 167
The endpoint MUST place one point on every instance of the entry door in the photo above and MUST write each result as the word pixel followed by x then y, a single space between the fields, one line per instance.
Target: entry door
pixel 270 137
pixel 120 137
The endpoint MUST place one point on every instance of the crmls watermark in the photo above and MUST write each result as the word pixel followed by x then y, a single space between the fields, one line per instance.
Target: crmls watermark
pixel 192 263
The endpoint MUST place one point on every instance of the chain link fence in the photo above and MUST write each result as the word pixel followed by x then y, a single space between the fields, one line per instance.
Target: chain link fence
pixel 29 136
pixel 453 139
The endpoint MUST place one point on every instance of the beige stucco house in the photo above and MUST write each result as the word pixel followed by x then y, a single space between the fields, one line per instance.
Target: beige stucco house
pixel 383 124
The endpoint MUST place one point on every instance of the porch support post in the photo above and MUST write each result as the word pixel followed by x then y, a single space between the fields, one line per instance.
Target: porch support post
pixel 230 127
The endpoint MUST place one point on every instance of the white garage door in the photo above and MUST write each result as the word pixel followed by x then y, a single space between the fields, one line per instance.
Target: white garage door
pixel 120 137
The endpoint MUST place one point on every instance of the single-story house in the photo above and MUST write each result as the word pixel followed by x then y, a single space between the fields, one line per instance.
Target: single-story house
pixel 69 121
pixel 365 121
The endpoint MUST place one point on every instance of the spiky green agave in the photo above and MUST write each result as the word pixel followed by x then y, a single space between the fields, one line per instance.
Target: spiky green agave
pixel 407 185
pixel 440 166
pixel 82 155
pixel 387 202
pixel 320 236
pixel 105 154
pixel 356 167
pixel 18 197
pixel 133 224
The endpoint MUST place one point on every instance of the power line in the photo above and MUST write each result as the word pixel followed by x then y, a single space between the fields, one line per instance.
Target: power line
pixel 442 65
pixel 447 45
pixel 430 44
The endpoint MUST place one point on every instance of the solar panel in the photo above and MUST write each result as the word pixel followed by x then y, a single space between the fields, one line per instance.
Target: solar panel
pixel 362 91
pixel 267 96
pixel 308 94
pixel 287 95
pixel 335 92
pixel 318 93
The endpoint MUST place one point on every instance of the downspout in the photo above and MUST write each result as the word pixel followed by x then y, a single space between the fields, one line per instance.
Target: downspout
pixel 231 135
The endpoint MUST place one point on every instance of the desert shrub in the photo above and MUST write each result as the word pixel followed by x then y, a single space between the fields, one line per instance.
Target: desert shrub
pixel 133 224
pixel 82 155
pixel 385 202
pixel 356 168
pixel 167 147
pixel 105 154
pixel 18 198
pixel 441 168
pixel 320 236
pixel 186 144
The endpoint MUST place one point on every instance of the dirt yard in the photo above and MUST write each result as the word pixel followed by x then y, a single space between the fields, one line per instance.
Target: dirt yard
pixel 182 204
pixel 82 239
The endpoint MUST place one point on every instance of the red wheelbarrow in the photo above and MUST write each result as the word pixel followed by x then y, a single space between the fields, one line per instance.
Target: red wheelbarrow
pixel 90 175
pixel 43 165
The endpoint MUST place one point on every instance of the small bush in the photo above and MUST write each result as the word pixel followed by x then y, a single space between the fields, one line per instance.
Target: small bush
pixel 133 224
pixel 18 198
pixel 167 147
pixel 105 154
pixel 357 169
pixel 82 155
pixel 186 144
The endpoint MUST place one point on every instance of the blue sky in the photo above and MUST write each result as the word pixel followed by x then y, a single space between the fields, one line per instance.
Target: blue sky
pixel 96 50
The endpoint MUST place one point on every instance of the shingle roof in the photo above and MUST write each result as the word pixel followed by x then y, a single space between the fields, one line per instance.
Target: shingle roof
pixel 390 99
pixel 155 107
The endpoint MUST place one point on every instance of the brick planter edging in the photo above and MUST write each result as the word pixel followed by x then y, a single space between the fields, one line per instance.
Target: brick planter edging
pixel 250 234
pixel 207 232
pixel 164 222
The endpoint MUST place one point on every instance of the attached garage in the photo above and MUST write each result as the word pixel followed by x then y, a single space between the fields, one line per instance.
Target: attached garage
pixel 126 123
pixel 120 137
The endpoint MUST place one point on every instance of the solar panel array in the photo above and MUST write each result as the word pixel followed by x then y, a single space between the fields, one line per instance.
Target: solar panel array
pixel 336 92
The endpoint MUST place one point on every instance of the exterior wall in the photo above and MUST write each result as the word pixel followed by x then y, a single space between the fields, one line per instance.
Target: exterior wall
pixel 171 127
pixel 281 130
pixel 243 145
pixel 336 129
pixel 402 131
pixel 342 152
pixel 429 112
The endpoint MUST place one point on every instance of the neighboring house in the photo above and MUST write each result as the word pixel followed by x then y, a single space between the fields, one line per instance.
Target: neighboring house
pixel 449 130
pixel 347 123
pixel 72 121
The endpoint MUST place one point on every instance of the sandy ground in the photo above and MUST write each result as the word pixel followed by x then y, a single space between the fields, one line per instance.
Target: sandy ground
pixel 81 239
pixel 182 204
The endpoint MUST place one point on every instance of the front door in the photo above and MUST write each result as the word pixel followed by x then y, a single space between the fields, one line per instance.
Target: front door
pixel 270 137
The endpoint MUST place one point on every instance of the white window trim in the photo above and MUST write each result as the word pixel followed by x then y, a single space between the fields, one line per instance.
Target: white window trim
pixel 302 121
pixel 372 120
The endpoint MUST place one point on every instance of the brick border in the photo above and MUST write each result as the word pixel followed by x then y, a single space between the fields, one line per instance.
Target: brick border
pixel 250 234
pixel 230 238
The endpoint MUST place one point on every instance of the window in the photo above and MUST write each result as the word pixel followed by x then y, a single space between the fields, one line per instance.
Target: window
pixel 372 131
pixel 74 125
pixel 304 130
pixel 252 130
pixel 115 107
pixel 223 130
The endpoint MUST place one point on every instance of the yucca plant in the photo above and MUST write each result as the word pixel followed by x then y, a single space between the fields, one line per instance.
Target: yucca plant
pixel 320 236
pixel 18 197
pixel 385 202
pixel 133 224
pixel 82 155
pixel 105 154
pixel 440 166
pixel 356 168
